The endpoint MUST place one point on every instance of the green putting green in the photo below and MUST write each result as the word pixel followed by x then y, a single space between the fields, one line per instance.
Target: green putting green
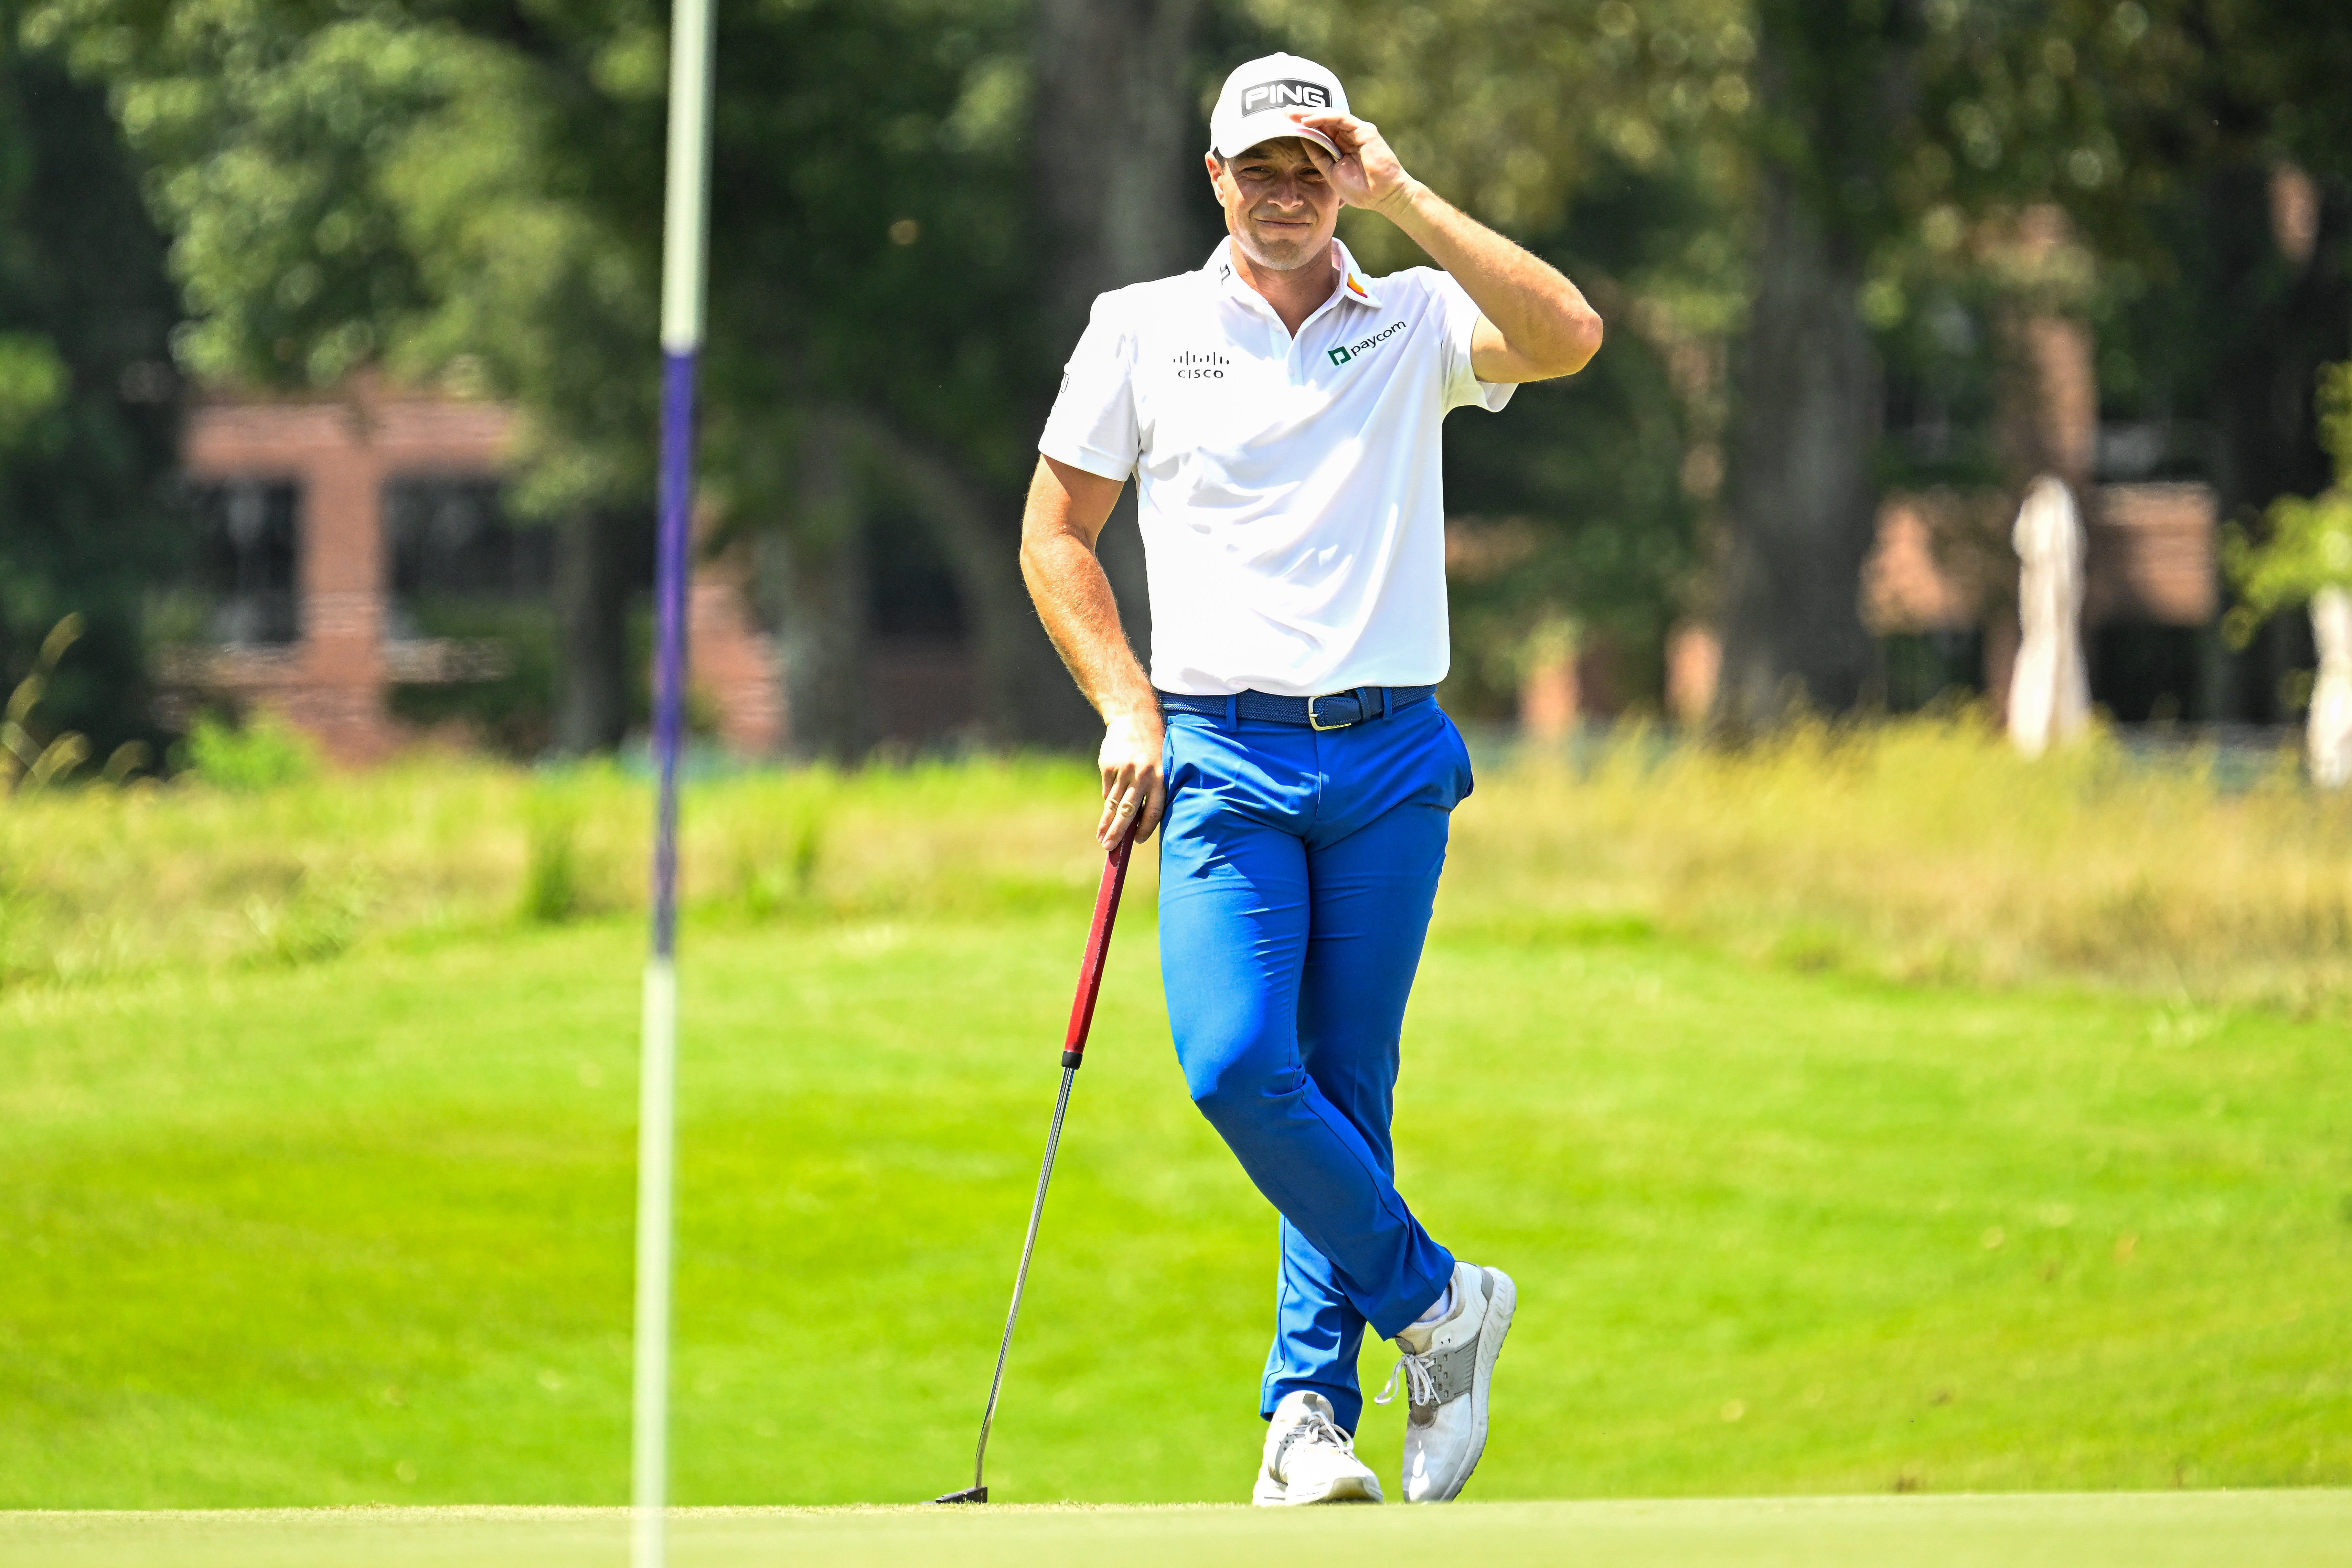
pixel 357 1231
pixel 2276 1530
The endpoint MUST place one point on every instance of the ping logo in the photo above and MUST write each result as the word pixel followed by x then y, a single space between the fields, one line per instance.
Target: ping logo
pixel 1210 366
pixel 1285 95
pixel 1341 356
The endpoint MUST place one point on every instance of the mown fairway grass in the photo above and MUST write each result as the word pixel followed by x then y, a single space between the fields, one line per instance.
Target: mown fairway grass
pixel 357 1230
pixel 2185 1530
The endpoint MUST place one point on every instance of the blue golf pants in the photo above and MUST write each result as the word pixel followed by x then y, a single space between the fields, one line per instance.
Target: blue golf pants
pixel 1298 868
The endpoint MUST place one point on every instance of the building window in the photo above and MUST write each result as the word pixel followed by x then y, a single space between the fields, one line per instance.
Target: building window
pixel 451 543
pixel 248 534
pixel 470 626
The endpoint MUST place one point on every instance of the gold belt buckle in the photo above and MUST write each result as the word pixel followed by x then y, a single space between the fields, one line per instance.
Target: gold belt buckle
pixel 1316 723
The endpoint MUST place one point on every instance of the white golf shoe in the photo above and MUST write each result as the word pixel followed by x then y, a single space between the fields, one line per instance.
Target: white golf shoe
pixel 1446 1367
pixel 1308 1459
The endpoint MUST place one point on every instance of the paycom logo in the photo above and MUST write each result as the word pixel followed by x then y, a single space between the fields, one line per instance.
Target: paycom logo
pixel 1341 356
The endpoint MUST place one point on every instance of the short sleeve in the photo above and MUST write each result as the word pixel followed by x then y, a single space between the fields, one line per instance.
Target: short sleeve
pixel 1460 313
pixel 1093 425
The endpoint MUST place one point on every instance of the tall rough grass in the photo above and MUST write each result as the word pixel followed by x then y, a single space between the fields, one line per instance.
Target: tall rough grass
pixel 1919 850
pixel 97 882
pixel 1929 850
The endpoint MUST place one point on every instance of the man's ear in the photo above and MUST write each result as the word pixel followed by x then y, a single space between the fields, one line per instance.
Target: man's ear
pixel 1215 166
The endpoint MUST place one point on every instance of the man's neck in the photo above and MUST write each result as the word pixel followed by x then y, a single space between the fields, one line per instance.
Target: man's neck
pixel 1296 294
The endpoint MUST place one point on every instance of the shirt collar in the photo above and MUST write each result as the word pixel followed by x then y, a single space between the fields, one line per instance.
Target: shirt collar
pixel 1353 284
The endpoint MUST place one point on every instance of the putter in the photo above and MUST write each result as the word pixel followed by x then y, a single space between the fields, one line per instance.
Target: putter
pixel 1074 1050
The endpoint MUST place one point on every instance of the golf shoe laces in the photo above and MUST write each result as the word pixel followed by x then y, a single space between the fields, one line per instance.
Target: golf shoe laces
pixel 1420 1382
pixel 1315 1428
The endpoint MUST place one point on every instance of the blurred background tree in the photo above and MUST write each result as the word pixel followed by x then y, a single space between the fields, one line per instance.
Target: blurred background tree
pixel 445 192
pixel 2231 279
pixel 1605 139
pixel 470 194
pixel 1819 233
pixel 1839 204
pixel 2308 547
pixel 86 403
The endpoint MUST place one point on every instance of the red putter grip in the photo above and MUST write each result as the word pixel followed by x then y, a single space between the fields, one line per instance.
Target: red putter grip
pixel 1082 1010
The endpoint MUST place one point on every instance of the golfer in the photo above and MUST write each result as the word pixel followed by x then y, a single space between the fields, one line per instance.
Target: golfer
pixel 1279 410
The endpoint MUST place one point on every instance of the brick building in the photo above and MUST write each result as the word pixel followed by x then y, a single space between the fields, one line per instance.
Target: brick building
pixel 1940 587
pixel 326 520
pixel 321 520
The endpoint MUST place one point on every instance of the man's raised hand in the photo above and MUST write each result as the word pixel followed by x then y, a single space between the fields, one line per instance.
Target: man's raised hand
pixel 1366 173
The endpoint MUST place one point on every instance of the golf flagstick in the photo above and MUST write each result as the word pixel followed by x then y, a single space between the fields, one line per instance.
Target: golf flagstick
pixel 1074 1050
pixel 685 244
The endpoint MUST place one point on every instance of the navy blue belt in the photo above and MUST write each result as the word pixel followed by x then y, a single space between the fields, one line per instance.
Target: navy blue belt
pixel 1335 711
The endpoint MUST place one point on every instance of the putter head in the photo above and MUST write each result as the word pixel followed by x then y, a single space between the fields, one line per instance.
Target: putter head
pixel 969 1494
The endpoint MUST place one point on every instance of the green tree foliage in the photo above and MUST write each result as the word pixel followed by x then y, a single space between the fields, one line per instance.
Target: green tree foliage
pixel 470 190
pixel 1517 107
pixel 2309 545
pixel 451 190
pixel 1604 138
pixel 1838 190
pixel 86 426
pixel 1718 201
pixel 1772 202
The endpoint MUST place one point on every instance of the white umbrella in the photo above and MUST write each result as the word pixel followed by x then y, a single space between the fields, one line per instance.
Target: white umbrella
pixel 2049 692
pixel 2329 735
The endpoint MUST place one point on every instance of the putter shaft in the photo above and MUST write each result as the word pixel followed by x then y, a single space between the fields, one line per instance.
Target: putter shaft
pixel 1074 1047
pixel 1020 1282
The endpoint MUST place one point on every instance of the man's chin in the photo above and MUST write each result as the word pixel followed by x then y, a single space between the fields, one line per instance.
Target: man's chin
pixel 1284 255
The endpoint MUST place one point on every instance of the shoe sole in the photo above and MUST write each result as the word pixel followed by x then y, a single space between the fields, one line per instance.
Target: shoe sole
pixel 1502 1300
pixel 1271 1493
pixel 1343 1488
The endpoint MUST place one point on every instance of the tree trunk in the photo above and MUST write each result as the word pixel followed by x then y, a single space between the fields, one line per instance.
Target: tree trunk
pixel 592 601
pixel 2287 319
pixel 1118 173
pixel 1024 694
pixel 1122 197
pixel 1802 509
pixel 818 571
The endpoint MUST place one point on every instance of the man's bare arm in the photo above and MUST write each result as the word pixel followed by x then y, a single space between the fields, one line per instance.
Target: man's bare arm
pixel 1536 324
pixel 1067 511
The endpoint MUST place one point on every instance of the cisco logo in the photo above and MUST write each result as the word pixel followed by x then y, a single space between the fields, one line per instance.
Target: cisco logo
pixel 1210 366
pixel 1285 95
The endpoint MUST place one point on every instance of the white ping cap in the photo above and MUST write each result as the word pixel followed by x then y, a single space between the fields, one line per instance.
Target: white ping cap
pixel 1255 102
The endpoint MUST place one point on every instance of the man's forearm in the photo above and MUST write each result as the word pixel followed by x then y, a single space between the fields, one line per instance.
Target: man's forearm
pixel 1067 511
pixel 1543 316
pixel 1075 602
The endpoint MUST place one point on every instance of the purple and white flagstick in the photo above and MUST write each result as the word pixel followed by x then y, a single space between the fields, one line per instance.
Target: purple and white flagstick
pixel 685 240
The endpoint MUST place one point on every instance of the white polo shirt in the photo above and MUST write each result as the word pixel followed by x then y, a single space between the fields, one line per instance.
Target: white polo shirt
pixel 1293 511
